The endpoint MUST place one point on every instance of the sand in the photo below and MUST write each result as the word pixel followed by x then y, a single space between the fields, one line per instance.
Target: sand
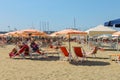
pixel 99 68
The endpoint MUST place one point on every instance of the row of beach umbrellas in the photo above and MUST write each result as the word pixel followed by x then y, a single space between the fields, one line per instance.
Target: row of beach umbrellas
pixel 34 32
pixel 25 33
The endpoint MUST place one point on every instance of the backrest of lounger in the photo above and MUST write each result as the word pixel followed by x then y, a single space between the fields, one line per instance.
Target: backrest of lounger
pixel 78 51
pixel 64 51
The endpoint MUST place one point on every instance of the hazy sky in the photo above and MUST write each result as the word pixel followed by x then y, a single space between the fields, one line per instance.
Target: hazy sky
pixel 58 14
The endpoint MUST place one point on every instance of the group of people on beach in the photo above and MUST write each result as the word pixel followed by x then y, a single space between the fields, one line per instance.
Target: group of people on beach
pixel 28 46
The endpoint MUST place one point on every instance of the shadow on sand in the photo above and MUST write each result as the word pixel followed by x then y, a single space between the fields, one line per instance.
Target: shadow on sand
pixel 90 63
pixel 49 58
pixel 76 63
pixel 98 57
pixel 111 50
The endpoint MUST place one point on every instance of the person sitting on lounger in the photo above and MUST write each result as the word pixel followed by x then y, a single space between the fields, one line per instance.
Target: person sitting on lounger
pixel 35 47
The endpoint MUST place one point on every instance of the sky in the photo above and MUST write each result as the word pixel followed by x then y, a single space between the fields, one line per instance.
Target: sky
pixel 56 15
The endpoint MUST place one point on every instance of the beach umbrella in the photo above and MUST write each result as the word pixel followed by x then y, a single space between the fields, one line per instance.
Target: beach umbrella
pixel 2 35
pixel 15 34
pixel 100 30
pixel 26 33
pixel 6 34
pixel 33 32
pixel 75 32
pixel 54 34
pixel 103 36
pixel 70 32
pixel 10 33
pixel 116 33
pixel 39 34
pixel 30 30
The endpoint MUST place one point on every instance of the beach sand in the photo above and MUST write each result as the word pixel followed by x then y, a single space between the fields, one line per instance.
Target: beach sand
pixel 99 68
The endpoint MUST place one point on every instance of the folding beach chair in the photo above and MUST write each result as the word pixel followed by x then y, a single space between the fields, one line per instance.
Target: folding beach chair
pixel 79 53
pixel 116 57
pixel 24 51
pixel 93 52
pixel 13 53
pixel 64 51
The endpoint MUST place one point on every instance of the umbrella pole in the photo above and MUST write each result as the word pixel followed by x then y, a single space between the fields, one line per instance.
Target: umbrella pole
pixel 89 42
pixel 69 50
pixel 117 43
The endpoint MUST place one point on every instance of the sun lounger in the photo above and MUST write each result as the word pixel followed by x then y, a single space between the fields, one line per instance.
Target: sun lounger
pixel 24 51
pixel 79 53
pixel 64 51
pixel 116 57
pixel 93 52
